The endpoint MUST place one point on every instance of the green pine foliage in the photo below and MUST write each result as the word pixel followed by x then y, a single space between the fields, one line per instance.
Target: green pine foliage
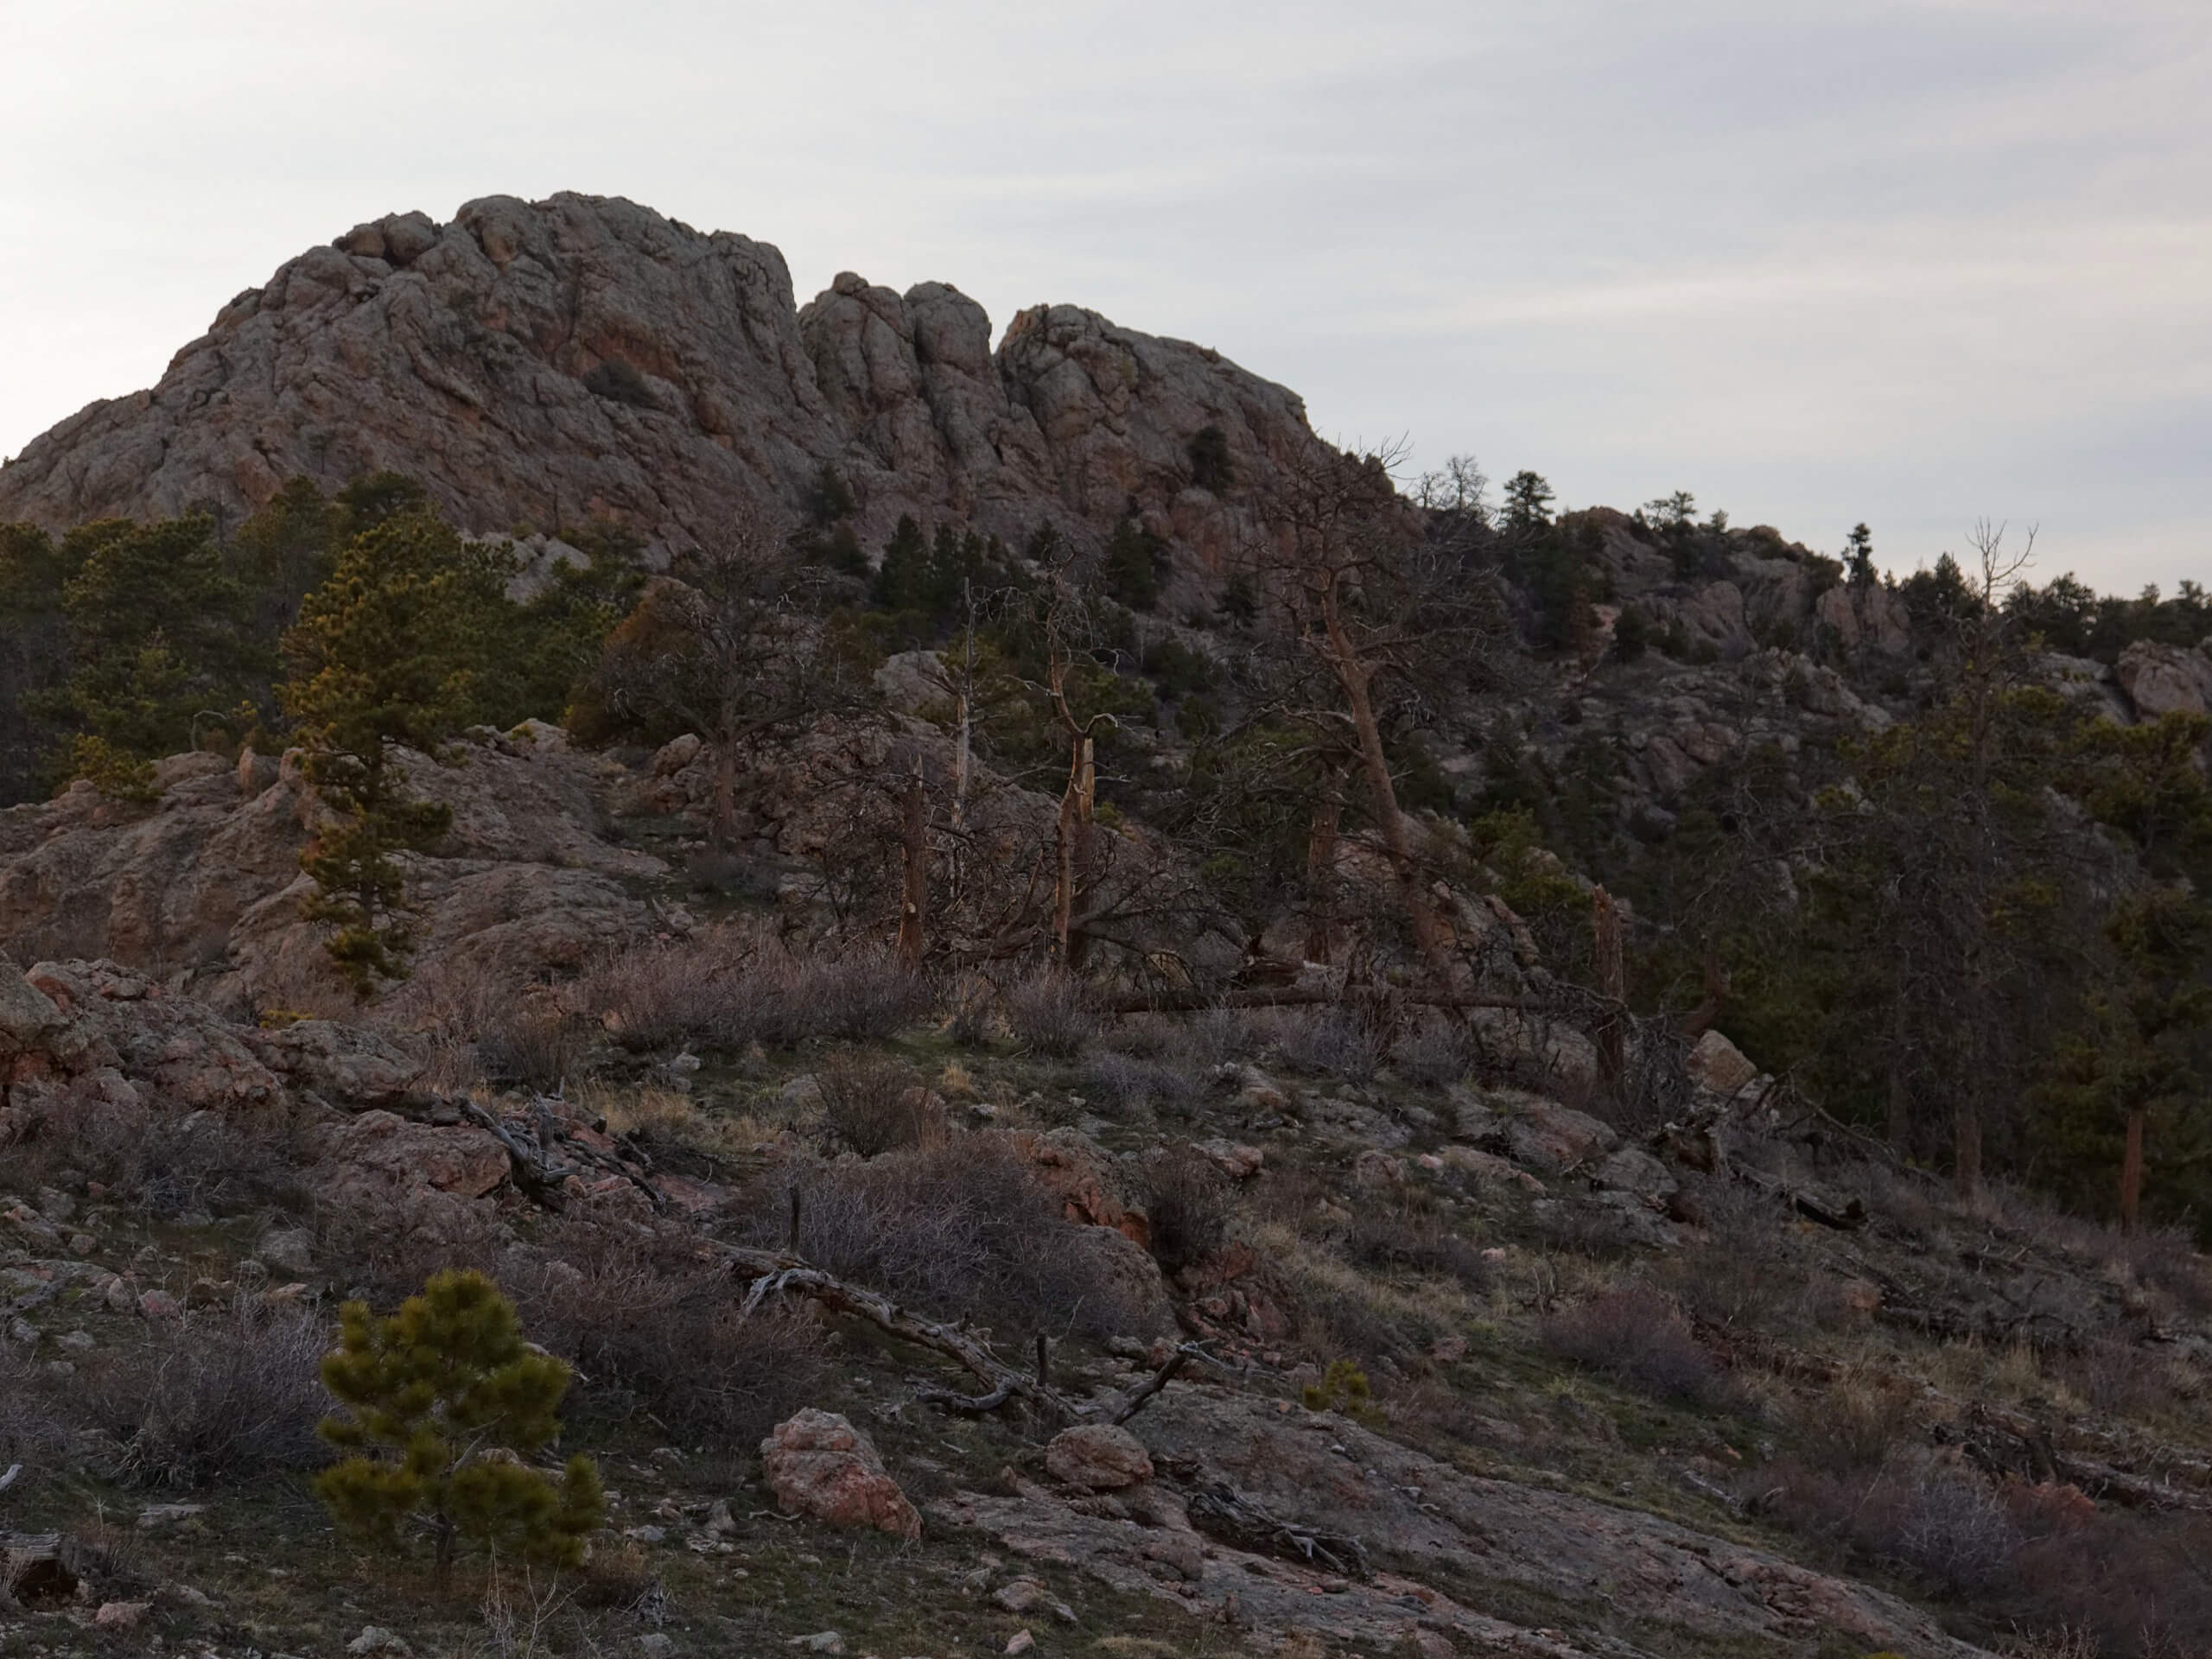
pixel 394 650
pixel 1135 565
pixel 443 1401
pixel 1211 469
pixel 157 631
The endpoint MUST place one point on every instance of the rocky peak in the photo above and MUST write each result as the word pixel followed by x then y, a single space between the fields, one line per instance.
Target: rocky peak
pixel 544 364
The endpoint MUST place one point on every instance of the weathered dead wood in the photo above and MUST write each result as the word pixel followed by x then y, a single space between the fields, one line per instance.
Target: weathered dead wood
pixel 1295 996
pixel 1844 1215
pixel 533 1170
pixel 779 1275
pixel 1141 1396
pixel 1223 1512
pixel 37 1570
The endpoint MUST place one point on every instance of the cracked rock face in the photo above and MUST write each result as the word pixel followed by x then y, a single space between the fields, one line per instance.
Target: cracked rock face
pixel 547 364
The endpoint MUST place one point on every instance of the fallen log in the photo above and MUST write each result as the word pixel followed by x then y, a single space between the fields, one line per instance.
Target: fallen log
pixel 780 1275
pixel 1244 1522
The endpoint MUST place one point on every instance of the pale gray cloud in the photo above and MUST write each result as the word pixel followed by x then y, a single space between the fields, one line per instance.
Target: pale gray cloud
pixel 1913 263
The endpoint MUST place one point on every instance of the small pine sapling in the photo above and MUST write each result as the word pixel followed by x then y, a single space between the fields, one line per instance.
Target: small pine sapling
pixel 444 1400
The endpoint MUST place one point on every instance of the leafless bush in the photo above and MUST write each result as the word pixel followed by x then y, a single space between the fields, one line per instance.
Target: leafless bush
pixel 1052 1013
pixel 1388 1236
pixel 531 1044
pixel 875 1106
pixel 1186 1204
pixel 727 990
pixel 2118 1377
pixel 2170 1263
pixel 669 994
pixel 34 1430
pixel 861 998
pixel 1741 1275
pixel 227 1393
pixel 963 1230
pixel 649 1323
pixel 1126 1081
pixel 1639 1336
pixel 156 1157
pixel 1437 1052
pixel 1214 1037
pixel 1329 1042
pixel 1853 1425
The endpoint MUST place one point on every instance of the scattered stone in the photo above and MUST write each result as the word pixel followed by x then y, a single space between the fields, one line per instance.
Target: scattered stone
pixel 1025 1595
pixel 374 1638
pixel 1719 1065
pixel 655 1644
pixel 819 1465
pixel 159 1517
pixel 820 1642
pixel 1021 1642
pixel 644 1534
pixel 79 1342
pixel 159 1305
pixel 1098 1457
pixel 289 1250
pixel 121 1615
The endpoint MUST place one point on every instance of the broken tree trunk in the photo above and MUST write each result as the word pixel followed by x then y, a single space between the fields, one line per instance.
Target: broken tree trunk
pixel 914 853
pixel 1612 984
pixel 779 1275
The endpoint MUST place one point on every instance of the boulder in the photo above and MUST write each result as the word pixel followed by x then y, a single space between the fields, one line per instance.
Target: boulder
pixel 820 1467
pixel 344 1064
pixel 1098 1457
pixel 2161 679
pixel 380 1158
pixel 1719 1065
pixel 27 1015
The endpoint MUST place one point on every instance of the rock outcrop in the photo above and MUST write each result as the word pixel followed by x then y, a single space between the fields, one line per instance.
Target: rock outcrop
pixel 204 883
pixel 547 364
pixel 819 1465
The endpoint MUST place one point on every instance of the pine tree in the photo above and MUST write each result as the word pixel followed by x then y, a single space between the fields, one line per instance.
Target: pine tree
pixel 444 1399
pixel 1133 565
pixel 161 643
pixel 904 570
pixel 1858 556
pixel 390 652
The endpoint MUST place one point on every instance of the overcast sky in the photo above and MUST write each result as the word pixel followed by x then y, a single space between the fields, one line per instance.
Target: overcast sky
pixel 1814 260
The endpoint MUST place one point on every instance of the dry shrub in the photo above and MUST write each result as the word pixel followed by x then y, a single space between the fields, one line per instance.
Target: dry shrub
pixel 228 1394
pixel 965 1231
pixel 727 990
pixel 1741 1276
pixel 1214 1037
pixel 34 1428
pixel 1052 1013
pixel 1437 1052
pixel 651 1323
pixel 1126 1081
pixel 2168 1263
pixel 1186 1206
pixel 857 999
pixel 875 1106
pixel 482 1026
pixel 1640 1338
pixel 2119 1376
pixel 164 1160
pixel 1401 1237
pixel 1329 1042
pixel 1854 1424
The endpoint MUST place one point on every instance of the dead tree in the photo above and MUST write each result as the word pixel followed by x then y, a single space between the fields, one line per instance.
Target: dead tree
pixel 1368 602
pixel 728 647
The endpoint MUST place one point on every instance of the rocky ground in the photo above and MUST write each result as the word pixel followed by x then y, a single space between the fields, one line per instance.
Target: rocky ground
pixel 1593 1393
